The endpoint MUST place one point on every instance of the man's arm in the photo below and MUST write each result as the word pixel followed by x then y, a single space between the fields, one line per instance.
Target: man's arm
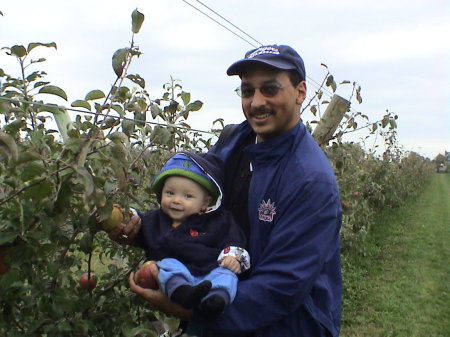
pixel 304 236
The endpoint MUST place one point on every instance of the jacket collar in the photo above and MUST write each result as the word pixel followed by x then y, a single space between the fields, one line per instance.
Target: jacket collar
pixel 273 149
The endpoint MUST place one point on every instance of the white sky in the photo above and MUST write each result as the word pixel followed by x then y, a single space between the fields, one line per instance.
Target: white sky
pixel 398 51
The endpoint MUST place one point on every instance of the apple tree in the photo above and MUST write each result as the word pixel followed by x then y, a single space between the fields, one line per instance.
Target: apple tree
pixel 60 176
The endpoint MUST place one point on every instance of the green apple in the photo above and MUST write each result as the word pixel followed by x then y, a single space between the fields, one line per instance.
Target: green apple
pixel 114 219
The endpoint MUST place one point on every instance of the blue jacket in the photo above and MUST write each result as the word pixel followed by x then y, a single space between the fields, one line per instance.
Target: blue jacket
pixel 294 285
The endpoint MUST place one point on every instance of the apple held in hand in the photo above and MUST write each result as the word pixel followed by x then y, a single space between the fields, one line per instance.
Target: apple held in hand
pixel 87 282
pixel 114 219
pixel 144 277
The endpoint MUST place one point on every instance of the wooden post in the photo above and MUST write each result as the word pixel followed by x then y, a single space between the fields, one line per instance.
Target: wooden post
pixel 330 120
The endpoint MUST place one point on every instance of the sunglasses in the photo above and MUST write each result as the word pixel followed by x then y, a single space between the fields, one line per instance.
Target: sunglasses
pixel 267 90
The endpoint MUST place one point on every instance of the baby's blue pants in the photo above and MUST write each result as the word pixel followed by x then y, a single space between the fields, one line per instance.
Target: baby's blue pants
pixel 172 274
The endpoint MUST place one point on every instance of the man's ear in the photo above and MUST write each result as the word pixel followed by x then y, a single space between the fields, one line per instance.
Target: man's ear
pixel 301 92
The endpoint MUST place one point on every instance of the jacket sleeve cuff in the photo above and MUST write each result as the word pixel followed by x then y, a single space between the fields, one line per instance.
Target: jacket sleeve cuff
pixel 239 253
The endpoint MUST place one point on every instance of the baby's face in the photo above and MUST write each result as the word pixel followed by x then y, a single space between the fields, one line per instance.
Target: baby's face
pixel 182 197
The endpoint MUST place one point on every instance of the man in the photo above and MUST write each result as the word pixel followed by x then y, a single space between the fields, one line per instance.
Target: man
pixel 281 189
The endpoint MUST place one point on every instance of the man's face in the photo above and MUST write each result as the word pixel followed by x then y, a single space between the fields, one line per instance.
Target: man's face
pixel 276 109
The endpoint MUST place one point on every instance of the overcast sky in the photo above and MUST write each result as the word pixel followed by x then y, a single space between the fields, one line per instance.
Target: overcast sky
pixel 398 51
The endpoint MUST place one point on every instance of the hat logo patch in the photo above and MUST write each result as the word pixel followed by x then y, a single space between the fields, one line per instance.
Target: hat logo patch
pixel 264 50
pixel 266 211
pixel 187 164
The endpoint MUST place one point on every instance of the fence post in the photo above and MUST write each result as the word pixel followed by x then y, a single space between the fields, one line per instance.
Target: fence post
pixel 330 120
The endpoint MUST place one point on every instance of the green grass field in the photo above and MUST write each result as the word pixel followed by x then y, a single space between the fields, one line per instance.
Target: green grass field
pixel 399 284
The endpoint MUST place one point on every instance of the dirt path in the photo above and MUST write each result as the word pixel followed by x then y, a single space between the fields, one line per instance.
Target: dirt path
pixel 401 284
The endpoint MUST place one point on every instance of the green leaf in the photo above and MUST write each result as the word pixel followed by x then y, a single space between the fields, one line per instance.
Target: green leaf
pixel 86 243
pixel 118 137
pixel 140 117
pixel 162 135
pixel 155 110
pixel 14 127
pixel 18 51
pixel 40 84
pixel 40 191
pixel 121 175
pixel 88 180
pixel 128 126
pixel 118 109
pixel 32 170
pixel 82 155
pixel 392 124
pixel 358 95
pixel 79 103
pixel 374 127
pixel 137 18
pixel 26 156
pixel 10 144
pixel 186 97
pixel 38 60
pixel 7 237
pixel 330 80
pixel 33 45
pixel 62 201
pixel 194 106
pixel 333 86
pixel 119 60
pixel 109 122
pixel 119 151
pixel 137 79
pixel 53 90
pixel 94 94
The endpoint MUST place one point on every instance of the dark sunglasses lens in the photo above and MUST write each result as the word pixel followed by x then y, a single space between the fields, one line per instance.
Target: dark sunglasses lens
pixel 269 90
pixel 245 92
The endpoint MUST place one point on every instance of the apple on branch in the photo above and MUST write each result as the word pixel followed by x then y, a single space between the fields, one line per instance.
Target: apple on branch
pixel 87 281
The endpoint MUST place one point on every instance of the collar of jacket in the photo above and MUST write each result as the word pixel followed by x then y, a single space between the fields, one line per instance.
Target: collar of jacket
pixel 272 150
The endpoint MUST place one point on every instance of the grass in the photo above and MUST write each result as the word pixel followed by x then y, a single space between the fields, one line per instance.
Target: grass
pixel 399 283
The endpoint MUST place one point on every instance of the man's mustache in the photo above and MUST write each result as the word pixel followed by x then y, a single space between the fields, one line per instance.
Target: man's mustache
pixel 261 110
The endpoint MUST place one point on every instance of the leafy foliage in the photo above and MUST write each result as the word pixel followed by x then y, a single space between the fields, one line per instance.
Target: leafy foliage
pixel 54 184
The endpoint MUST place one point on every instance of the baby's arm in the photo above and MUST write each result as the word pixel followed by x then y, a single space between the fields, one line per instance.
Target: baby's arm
pixel 234 258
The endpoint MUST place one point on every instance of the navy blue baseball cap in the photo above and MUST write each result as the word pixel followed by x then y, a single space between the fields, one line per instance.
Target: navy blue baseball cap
pixel 277 56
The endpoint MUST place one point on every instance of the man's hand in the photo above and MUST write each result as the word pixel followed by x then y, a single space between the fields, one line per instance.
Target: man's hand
pixel 126 233
pixel 157 298
pixel 230 262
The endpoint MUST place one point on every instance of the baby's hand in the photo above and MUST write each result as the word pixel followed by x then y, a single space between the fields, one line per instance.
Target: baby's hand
pixel 230 262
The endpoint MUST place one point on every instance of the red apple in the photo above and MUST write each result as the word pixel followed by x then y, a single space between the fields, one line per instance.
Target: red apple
pixel 87 282
pixel 3 266
pixel 144 277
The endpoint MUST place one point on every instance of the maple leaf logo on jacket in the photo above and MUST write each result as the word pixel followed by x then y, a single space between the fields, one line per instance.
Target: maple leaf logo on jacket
pixel 266 211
